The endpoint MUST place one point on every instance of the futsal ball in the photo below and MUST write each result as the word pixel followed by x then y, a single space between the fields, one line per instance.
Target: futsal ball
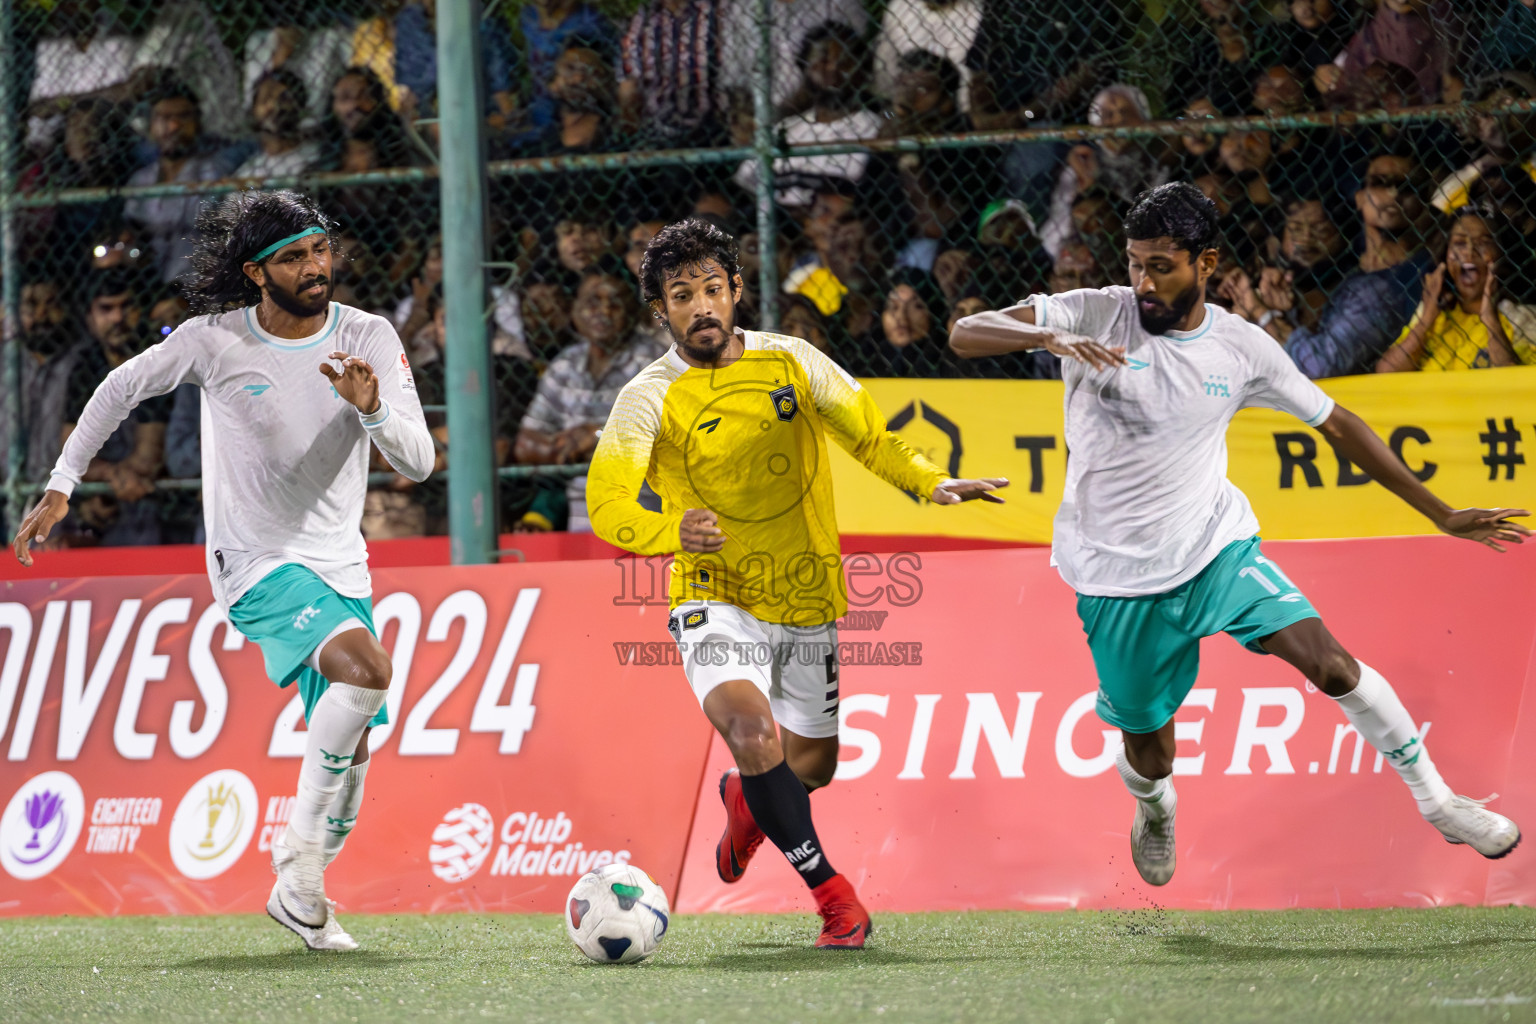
pixel 617 914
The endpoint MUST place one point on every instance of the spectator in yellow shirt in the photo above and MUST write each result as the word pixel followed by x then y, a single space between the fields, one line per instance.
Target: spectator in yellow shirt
pixel 1462 323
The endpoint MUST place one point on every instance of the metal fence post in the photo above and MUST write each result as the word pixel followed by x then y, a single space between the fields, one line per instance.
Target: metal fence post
pixel 762 142
pixel 471 479
pixel 10 276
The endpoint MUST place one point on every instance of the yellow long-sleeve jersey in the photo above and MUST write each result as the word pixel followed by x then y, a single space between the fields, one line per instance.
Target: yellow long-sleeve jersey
pixel 749 443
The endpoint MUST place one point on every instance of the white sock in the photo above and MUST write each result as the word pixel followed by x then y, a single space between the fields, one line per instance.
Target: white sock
pixel 335 727
pixel 1377 714
pixel 342 815
pixel 1156 794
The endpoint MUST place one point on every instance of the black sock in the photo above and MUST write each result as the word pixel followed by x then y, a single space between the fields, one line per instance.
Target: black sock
pixel 782 808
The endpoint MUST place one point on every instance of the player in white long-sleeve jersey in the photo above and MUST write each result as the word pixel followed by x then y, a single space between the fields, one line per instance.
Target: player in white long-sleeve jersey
pixel 285 449
pixel 1163 550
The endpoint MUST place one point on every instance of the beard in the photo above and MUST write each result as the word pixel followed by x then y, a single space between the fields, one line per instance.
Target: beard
pixel 45 342
pixel 702 351
pixel 1170 315
pixel 178 148
pixel 290 302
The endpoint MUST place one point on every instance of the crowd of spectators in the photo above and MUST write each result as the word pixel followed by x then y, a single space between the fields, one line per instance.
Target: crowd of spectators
pixel 1361 248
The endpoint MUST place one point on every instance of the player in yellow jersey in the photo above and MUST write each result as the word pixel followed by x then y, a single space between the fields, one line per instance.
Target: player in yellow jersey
pixel 730 428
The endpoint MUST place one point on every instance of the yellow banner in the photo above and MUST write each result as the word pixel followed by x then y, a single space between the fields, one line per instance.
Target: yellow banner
pixel 1471 437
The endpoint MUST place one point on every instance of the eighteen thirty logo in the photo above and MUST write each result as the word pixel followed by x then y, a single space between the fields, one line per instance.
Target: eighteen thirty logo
pixel 461 841
pixel 213 824
pixel 41 824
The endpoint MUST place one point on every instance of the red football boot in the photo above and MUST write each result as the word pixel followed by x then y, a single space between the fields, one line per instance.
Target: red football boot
pixel 742 836
pixel 845 922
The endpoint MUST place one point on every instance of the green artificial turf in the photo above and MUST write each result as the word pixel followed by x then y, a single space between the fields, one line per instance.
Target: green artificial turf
pixel 1448 965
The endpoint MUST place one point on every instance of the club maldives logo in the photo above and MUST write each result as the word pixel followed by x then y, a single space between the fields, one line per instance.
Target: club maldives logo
pixel 531 843
pixel 461 841
pixel 213 824
pixel 40 825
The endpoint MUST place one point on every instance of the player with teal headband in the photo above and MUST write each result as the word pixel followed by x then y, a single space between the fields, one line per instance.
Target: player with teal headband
pixel 285 469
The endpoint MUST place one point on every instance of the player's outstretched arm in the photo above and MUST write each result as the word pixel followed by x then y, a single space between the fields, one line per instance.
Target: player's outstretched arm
pixel 998 332
pixel 857 424
pixel 1354 440
pixel 156 371
pixel 853 419
pixel 953 492
pixel 619 465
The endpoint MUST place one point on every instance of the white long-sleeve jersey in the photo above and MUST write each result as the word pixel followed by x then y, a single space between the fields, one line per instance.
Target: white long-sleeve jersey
pixel 285 458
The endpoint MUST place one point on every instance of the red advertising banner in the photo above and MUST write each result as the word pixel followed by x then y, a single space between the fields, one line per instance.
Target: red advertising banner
pixel 542 727
pixel 147 760
pixel 981 778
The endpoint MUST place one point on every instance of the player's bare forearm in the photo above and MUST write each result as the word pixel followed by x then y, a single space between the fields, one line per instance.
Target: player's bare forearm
pixel 997 332
pixel 1352 437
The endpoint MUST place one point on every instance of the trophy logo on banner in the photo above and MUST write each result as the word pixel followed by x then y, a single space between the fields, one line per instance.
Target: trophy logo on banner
pixel 213 824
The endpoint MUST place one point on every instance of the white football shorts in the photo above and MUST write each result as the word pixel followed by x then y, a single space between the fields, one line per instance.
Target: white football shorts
pixel 794 666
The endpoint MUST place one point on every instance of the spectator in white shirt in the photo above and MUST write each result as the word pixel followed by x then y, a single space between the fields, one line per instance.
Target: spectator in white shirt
pixel 277 111
pixel 834 61
pixel 314 52
pixel 184 39
pixel 947 28
pixel 85 59
pixel 792 21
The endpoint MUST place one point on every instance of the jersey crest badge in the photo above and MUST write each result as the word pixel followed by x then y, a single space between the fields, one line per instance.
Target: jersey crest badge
pixel 695 619
pixel 784 402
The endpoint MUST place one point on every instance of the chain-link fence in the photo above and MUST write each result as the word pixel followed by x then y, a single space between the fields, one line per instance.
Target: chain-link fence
pixel 886 166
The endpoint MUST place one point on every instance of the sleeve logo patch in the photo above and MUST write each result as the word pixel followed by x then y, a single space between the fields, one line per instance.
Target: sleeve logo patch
pixel 407 380
pixel 695 619
pixel 785 404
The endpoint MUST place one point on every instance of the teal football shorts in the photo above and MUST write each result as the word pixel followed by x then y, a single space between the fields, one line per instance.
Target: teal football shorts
pixel 1147 649
pixel 289 613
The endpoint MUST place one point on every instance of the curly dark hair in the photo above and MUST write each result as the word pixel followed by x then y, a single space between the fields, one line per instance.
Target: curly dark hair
pixel 1177 210
pixel 686 243
pixel 232 231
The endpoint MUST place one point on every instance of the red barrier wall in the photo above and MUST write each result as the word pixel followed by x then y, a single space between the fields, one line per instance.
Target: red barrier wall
pixel 521 754
pixel 978 777
pixel 410 551
pixel 982 778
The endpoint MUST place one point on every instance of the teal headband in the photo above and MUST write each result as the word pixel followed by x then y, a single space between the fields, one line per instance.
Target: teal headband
pixel 269 250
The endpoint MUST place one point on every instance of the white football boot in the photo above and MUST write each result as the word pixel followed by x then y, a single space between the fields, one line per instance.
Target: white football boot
pixel 1465 820
pixel 298 899
pixel 1152 842
pixel 333 935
